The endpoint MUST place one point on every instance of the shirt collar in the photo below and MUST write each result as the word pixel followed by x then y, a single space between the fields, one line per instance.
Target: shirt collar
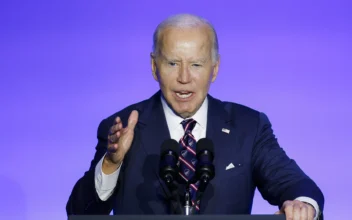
pixel 174 120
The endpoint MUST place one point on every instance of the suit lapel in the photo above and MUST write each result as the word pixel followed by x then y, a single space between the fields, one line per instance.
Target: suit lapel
pixel 151 133
pixel 221 131
pixel 217 120
pixel 153 127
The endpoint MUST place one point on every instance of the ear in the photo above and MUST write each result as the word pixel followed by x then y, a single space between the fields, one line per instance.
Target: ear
pixel 216 69
pixel 154 67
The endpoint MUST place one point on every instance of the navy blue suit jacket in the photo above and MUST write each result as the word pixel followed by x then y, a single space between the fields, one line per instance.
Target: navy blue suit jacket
pixel 250 145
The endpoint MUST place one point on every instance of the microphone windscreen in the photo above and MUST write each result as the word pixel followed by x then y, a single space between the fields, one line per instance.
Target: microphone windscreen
pixel 170 145
pixel 205 144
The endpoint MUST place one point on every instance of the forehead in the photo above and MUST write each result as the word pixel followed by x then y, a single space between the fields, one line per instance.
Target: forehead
pixel 177 40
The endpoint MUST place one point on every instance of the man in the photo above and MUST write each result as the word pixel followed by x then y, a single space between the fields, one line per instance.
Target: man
pixel 123 175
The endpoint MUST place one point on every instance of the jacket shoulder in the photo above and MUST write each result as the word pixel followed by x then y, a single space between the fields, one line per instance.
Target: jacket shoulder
pixel 106 123
pixel 246 117
pixel 240 111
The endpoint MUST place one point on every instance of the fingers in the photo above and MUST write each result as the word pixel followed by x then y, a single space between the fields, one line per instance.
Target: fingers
pixel 287 208
pixel 132 120
pixel 116 127
pixel 117 130
pixel 114 138
pixel 307 211
pixel 304 212
pixel 114 135
pixel 311 212
pixel 297 210
pixel 112 148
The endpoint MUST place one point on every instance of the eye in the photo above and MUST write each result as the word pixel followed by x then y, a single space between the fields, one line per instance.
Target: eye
pixel 196 65
pixel 172 64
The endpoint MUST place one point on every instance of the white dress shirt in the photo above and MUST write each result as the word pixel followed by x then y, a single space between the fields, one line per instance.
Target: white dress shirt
pixel 105 184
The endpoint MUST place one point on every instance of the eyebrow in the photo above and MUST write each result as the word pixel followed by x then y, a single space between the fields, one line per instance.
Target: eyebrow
pixel 169 59
pixel 172 59
pixel 200 60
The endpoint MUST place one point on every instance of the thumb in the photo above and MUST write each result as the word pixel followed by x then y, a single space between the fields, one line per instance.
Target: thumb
pixel 278 212
pixel 132 120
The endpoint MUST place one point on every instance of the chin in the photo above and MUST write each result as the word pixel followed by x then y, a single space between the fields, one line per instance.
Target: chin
pixel 183 109
pixel 185 113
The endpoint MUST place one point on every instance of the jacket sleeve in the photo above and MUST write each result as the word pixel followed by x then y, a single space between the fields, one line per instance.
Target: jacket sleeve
pixel 84 198
pixel 278 177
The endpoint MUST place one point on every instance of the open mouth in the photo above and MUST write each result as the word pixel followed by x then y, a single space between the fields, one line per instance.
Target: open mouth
pixel 183 95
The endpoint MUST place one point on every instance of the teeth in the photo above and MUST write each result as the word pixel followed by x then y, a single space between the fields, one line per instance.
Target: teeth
pixel 183 95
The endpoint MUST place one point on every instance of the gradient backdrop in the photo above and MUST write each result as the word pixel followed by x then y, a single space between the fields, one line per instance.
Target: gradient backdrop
pixel 66 65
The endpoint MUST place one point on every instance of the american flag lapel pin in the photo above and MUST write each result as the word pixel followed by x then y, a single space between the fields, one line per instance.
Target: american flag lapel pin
pixel 227 131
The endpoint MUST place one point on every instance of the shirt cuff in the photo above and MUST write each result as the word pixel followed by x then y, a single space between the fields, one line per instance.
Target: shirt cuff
pixel 311 202
pixel 105 184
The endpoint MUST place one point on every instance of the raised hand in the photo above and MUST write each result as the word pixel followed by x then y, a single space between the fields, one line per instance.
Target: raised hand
pixel 119 142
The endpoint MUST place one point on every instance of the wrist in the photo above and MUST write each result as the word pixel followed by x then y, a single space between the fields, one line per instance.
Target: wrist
pixel 109 166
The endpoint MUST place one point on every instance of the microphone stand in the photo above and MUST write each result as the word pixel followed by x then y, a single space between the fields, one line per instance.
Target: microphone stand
pixel 188 208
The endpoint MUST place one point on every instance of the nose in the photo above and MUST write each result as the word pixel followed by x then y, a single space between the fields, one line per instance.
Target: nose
pixel 184 75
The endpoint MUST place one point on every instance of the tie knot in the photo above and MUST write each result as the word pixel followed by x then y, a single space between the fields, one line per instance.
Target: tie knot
pixel 188 124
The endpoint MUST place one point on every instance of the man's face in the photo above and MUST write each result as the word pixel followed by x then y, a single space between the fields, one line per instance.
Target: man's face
pixel 184 68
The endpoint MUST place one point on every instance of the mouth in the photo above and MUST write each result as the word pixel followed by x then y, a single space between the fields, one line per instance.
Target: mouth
pixel 184 95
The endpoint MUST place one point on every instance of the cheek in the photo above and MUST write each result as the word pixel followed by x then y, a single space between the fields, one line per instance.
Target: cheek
pixel 168 79
pixel 203 83
pixel 165 83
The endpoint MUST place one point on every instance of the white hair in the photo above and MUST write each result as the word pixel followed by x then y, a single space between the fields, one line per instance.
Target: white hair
pixel 186 21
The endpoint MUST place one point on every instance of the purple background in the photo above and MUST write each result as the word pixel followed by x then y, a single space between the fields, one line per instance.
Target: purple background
pixel 66 65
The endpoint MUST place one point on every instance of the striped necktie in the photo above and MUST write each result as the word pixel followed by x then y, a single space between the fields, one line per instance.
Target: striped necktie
pixel 188 159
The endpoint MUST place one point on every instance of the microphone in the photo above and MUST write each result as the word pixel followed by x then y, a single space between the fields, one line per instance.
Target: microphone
pixel 168 169
pixel 205 170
